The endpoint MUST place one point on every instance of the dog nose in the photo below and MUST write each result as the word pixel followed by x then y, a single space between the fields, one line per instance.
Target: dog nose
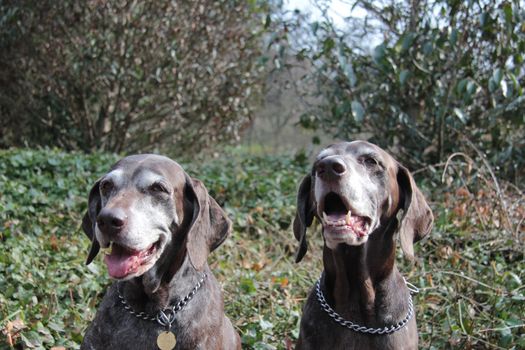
pixel 331 168
pixel 111 220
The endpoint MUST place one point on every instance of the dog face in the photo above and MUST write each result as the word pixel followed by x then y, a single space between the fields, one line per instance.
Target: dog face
pixel 355 190
pixel 351 191
pixel 144 208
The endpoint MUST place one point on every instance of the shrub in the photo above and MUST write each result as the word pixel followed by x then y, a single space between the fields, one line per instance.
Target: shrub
pixel 424 78
pixel 175 76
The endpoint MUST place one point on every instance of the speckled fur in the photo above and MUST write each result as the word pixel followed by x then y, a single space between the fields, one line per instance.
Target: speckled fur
pixel 193 226
pixel 361 282
pixel 200 325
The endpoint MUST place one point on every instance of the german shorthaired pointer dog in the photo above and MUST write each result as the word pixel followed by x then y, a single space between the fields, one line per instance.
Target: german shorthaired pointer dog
pixel 362 197
pixel 158 226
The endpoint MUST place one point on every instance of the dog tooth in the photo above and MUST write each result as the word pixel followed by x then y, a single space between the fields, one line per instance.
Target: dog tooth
pixel 348 216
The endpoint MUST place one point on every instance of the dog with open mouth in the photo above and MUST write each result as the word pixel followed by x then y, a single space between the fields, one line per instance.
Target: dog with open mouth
pixel 157 226
pixel 363 199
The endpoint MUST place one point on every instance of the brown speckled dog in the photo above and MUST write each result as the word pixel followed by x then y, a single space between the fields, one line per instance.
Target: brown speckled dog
pixel 161 225
pixel 362 197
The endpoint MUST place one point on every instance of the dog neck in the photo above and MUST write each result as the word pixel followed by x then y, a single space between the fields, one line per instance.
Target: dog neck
pixel 169 291
pixel 363 284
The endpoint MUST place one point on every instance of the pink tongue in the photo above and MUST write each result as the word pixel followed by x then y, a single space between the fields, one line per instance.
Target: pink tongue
pixel 120 265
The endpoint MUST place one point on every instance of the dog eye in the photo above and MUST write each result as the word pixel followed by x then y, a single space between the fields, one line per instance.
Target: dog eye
pixel 106 187
pixel 369 161
pixel 158 188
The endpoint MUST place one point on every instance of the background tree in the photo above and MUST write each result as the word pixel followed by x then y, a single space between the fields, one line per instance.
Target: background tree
pixel 173 76
pixel 423 78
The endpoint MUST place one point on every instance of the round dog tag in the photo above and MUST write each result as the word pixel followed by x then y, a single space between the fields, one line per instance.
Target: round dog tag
pixel 166 340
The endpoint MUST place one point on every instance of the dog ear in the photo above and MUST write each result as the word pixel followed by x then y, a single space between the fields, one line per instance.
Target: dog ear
pixel 303 216
pixel 417 219
pixel 209 225
pixel 89 220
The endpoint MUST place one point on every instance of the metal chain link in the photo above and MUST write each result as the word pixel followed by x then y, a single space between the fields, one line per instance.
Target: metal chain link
pixel 166 316
pixel 362 329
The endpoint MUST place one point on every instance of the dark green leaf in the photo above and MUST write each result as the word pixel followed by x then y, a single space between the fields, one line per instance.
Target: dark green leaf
pixel 403 76
pixel 428 48
pixel 497 75
pixel 471 87
pixel 493 85
pixel 462 85
pixel 406 42
pixel 358 111
pixel 453 37
pixel 459 113
pixel 267 21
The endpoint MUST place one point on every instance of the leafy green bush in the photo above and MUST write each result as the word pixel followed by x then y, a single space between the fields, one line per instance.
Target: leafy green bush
pixel 470 273
pixel 426 78
pixel 44 282
pixel 258 191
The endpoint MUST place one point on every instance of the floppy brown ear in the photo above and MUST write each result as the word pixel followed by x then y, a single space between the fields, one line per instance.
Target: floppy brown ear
pixel 209 226
pixel 303 216
pixel 89 220
pixel 417 219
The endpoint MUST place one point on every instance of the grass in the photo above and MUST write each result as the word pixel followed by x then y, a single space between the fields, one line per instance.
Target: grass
pixel 470 271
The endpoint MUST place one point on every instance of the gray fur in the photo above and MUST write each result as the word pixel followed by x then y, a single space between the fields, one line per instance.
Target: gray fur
pixel 151 205
pixel 361 281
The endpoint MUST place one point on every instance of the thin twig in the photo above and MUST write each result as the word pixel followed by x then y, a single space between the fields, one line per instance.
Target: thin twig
pixel 461 318
pixel 449 159
pixel 428 167
pixel 495 182
pixel 486 342
pixel 471 279
pixel 518 226
pixel 501 328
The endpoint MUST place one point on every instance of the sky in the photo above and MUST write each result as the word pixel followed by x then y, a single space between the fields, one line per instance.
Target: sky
pixel 336 9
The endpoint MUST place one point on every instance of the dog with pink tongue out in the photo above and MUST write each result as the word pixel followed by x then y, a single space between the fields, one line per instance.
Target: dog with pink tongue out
pixel 157 226
pixel 122 263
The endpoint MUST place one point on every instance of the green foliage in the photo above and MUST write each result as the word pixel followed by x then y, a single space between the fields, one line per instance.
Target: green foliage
pixel 94 75
pixel 259 197
pixel 471 275
pixel 44 282
pixel 441 72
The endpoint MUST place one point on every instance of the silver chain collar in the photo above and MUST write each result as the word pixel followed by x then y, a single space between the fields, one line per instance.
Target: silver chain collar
pixel 166 316
pixel 363 329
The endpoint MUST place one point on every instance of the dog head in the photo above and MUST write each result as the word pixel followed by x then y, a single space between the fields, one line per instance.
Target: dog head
pixel 147 212
pixel 356 190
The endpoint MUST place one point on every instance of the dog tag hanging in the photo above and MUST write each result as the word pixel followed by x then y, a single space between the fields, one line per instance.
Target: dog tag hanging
pixel 166 340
